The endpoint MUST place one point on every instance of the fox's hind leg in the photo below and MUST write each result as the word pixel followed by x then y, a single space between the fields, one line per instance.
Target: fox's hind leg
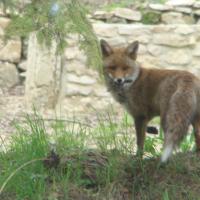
pixel 176 120
pixel 196 126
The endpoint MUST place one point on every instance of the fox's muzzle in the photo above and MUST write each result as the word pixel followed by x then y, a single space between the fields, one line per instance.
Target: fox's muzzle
pixel 119 81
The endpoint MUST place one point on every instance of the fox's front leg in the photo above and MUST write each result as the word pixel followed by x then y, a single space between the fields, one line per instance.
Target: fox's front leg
pixel 140 127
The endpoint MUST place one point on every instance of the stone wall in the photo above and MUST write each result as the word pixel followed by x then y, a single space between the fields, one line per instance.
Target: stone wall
pixel 80 88
pixel 161 46
pixel 172 12
pixel 10 57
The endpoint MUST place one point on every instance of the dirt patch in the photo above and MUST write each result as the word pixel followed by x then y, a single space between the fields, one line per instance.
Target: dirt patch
pixel 12 107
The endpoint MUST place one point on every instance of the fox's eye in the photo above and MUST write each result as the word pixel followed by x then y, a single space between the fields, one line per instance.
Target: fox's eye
pixel 112 67
pixel 125 68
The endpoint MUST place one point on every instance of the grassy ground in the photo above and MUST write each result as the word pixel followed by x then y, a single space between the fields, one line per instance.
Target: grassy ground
pixel 78 162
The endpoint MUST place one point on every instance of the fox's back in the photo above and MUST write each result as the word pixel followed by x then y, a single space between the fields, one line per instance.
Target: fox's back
pixel 153 89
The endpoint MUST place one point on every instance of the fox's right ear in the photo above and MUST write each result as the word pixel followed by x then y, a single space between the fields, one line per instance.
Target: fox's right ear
pixel 132 50
pixel 105 48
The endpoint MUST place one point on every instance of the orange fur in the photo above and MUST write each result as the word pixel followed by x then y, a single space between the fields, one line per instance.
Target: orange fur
pixel 174 95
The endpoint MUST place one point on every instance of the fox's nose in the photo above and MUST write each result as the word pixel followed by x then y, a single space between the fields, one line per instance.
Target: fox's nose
pixel 119 80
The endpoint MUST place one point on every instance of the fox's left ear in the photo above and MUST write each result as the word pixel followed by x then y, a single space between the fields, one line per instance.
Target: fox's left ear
pixel 106 49
pixel 132 50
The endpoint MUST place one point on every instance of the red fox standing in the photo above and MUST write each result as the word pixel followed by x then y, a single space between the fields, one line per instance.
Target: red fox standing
pixel 171 94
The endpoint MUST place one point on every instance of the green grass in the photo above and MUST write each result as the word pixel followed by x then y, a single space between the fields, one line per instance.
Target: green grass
pixel 95 163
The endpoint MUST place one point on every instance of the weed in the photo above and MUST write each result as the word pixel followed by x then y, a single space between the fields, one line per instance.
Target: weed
pixel 28 144
pixel 93 162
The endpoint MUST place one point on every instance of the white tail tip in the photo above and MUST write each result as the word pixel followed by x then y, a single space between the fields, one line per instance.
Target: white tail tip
pixel 167 153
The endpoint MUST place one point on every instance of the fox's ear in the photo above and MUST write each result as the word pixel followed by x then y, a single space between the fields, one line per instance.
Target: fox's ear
pixel 105 48
pixel 132 50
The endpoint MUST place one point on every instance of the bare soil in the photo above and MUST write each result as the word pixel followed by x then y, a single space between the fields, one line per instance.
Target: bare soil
pixel 12 107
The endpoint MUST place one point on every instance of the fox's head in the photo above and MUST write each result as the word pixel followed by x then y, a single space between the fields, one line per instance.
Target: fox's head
pixel 120 66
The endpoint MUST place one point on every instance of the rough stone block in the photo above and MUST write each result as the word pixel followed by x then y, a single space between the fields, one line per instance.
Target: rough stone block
pixel 156 50
pixel 133 29
pixel 197 12
pixel 10 51
pixel 178 57
pixel 83 80
pixel 184 31
pixel 102 15
pixel 177 18
pixel 160 7
pixel 117 41
pixel 128 14
pixel 180 2
pixel 8 75
pixel 183 10
pixel 174 40
pixel 3 24
pixel 196 51
pixel 196 4
pixel 105 30
pixel 76 90
pixel 22 65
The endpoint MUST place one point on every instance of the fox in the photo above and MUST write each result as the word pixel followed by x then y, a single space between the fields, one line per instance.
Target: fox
pixel 173 95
